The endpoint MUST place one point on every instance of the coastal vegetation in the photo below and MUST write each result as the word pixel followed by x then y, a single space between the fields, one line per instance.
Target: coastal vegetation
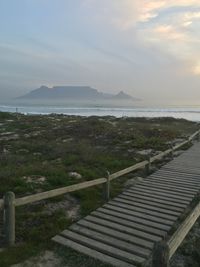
pixel 44 152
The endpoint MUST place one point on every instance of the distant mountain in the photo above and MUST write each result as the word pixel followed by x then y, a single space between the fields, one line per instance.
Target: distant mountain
pixel 74 92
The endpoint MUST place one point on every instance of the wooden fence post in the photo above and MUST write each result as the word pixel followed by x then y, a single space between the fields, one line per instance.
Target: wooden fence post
pixel 160 256
pixel 172 152
pixel 198 137
pixel 9 218
pixel 189 141
pixel 148 166
pixel 107 187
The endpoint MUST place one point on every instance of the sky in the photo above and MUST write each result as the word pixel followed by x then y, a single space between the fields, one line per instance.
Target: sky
pixel 149 49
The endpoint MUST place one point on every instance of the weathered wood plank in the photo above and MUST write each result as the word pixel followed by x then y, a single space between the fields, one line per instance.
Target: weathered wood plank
pixel 91 252
pixel 177 183
pixel 161 193
pixel 125 229
pixel 182 164
pixel 114 241
pixel 154 204
pixel 149 206
pixel 144 222
pixel 102 247
pixel 120 235
pixel 133 191
pixel 173 188
pixel 176 180
pixel 142 210
pixel 140 215
pixel 126 220
pixel 179 174
pixel 155 199
pixel 165 184
pixel 183 170
pixel 178 193
pixel 176 173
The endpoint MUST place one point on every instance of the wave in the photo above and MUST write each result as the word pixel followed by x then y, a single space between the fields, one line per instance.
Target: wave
pixel 185 113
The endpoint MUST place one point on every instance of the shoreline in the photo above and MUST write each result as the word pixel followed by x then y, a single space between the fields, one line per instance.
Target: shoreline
pixel 192 114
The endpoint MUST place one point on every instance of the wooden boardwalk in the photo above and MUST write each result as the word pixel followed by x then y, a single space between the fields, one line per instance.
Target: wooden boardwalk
pixel 124 231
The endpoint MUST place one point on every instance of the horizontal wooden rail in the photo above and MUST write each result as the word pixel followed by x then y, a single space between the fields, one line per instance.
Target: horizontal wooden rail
pixel 183 230
pixel 135 167
pixel 161 155
pixel 57 192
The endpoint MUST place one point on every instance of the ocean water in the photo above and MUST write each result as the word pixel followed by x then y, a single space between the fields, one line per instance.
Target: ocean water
pixel 192 114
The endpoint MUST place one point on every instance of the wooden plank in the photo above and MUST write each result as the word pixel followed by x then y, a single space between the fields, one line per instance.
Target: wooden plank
pixel 102 247
pixel 169 178
pixel 187 164
pixel 144 222
pixel 120 235
pixel 161 193
pixel 178 193
pixel 128 170
pixel 154 204
pixel 127 221
pixel 176 173
pixel 183 166
pixel 183 170
pixel 155 199
pixel 177 183
pixel 91 252
pixel 58 192
pixel 143 210
pixel 149 206
pixel 140 215
pixel 166 184
pixel 128 230
pixel 148 182
pixel 183 230
pixel 159 196
pixel 114 241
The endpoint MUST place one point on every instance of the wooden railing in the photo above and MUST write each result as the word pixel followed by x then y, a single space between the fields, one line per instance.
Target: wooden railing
pixel 9 202
pixel 164 250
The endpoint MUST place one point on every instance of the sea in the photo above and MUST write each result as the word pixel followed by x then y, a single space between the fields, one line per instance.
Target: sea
pixel 191 113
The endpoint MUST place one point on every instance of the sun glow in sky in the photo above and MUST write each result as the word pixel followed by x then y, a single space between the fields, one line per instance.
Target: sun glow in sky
pixel 149 49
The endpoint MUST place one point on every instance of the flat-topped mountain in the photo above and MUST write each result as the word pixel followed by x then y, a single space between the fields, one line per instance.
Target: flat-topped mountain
pixel 74 92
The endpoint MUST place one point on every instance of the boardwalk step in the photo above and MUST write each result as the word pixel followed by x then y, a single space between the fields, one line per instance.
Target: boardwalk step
pixel 124 229
pixel 149 206
pixel 126 246
pixel 133 218
pixel 91 252
pixel 158 189
pixel 155 199
pixel 140 215
pixel 161 193
pixel 126 220
pixel 103 248
pixel 153 204
pixel 128 206
pixel 116 233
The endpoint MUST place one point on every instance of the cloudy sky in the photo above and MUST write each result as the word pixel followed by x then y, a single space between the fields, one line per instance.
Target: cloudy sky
pixel 148 48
